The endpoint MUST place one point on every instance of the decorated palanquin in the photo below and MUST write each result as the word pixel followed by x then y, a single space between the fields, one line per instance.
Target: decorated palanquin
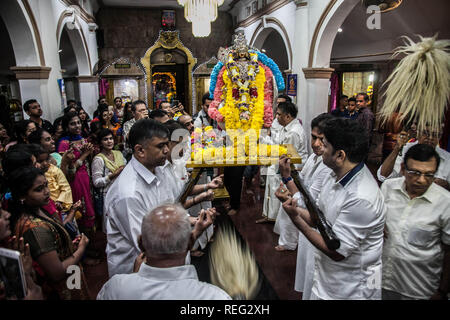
pixel 243 85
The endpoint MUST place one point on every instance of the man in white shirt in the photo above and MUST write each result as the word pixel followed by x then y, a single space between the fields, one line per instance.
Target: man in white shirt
pixel 392 164
pixel 202 119
pixel 166 238
pixel 313 175
pixel 416 251
pixel 289 234
pixel 141 187
pixel 139 111
pixel 354 207
pixel 291 132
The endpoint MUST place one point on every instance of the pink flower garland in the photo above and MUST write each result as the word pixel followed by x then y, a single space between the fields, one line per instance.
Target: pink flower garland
pixel 268 96
pixel 213 110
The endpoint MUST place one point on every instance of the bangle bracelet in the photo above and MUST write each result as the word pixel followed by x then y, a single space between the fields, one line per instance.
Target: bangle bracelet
pixel 205 188
pixel 286 180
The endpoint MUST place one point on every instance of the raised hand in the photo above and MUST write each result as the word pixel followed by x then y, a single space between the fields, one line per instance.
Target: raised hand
pixel 290 206
pixel 282 193
pixel 216 183
pixel 285 166
pixel 206 196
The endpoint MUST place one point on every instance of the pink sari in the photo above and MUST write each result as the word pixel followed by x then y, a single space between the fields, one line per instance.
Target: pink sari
pixel 81 186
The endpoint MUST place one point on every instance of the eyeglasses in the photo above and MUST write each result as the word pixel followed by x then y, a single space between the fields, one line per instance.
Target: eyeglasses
pixel 417 174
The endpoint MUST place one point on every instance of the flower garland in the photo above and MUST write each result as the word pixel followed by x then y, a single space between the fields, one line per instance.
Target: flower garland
pixel 244 103
pixel 263 58
pixel 273 66
pixel 268 97
pixel 214 75
pixel 213 111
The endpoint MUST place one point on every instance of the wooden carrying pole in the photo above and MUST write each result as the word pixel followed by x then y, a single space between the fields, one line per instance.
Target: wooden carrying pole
pixel 193 179
pixel 317 215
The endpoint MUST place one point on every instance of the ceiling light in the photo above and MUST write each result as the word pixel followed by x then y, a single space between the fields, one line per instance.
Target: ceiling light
pixel 340 30
pixel 201 13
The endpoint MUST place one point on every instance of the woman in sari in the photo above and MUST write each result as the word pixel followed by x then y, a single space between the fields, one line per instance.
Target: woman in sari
pixel 106 166
pixel 78 174
pixel 51 247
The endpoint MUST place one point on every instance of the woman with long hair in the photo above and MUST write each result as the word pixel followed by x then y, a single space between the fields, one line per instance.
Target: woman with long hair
pixel 58 131
pixel 127 113
pixel 85 120
pixel 78 172
pixel 105 114
pixel 51 247
pixel 22 130
pixel 106 166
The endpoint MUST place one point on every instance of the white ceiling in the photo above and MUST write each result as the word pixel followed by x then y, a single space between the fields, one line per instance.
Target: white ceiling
pixel 412 17
pixel 155 4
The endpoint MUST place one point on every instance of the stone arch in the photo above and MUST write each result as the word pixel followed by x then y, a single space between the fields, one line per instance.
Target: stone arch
pixel 262 32
pixel 325 32
pixel 23 31
pixel 78 41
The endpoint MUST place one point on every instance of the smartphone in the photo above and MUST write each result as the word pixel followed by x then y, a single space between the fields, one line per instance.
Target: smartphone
pixel 12 274
pixel 175 103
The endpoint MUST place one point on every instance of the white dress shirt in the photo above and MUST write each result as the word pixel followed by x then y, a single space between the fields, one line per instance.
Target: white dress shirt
pixel 150 283
pixel 130 198
pixel 442 173
pixel 355 209
pixel 412 253
pixel 202 120
pixel 314 174
pixel 293 134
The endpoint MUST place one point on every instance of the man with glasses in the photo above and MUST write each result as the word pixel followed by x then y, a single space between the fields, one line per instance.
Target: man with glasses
pixel 391 165
pixel 416 249
pixel 139 111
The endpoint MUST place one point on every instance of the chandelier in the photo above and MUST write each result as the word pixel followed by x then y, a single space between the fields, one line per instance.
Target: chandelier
pixel 201 13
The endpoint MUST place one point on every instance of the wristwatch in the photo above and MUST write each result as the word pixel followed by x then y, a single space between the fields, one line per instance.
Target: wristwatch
pixel 286 180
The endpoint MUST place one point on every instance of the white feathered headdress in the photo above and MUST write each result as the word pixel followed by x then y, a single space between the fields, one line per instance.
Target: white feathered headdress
pixel 419 87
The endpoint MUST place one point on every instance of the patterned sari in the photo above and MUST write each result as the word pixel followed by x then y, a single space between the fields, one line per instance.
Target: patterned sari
pixel 45 235
pixel 81 185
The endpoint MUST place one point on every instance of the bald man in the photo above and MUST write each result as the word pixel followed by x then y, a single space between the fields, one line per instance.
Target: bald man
pixel 187 122
pixel 166 238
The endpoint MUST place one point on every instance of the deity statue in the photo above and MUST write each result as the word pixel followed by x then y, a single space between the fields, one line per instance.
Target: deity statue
pixel 242 88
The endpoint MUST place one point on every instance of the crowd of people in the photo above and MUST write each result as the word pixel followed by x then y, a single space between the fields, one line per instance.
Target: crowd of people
pixel 122 173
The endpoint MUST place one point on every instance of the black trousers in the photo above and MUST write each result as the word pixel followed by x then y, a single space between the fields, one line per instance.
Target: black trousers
pixel 233 183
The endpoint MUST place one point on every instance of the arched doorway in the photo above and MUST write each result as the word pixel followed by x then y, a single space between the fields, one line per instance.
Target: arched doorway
pixel 69 67
pixel 23 33
pixel 73 54
pixel 170 57
pixel 270 41
pixel 21 49
pixel 9 87
pixel 169 76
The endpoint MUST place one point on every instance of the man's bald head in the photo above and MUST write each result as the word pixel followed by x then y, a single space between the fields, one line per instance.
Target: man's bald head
pixel 186 121
pixel 166 230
